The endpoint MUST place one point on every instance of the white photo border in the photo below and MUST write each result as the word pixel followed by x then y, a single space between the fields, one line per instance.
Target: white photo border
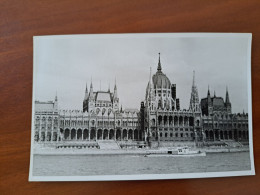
pixel 151 176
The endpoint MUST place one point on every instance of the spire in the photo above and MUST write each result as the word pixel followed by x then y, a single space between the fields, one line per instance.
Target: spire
pixel 159 68
pixel 121 109
pixel 193 82
pixel 150 86
pixel 208 91
pixel 86 92
pixel 214 93
pixel 227 96
pixel 91 94
pixel 194 99
pixel 108 87
pixel 91 86
pixel 115 90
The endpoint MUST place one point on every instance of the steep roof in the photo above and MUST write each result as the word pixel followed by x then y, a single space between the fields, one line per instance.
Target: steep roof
pixel 44 106
pixel 103 96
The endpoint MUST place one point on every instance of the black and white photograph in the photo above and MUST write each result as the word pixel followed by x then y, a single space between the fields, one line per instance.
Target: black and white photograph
pixel 141 106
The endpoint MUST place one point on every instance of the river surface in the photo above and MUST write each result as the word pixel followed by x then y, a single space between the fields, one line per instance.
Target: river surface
pixel 83 165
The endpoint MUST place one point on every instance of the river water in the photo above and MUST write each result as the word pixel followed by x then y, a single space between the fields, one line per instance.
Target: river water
pixel 83 165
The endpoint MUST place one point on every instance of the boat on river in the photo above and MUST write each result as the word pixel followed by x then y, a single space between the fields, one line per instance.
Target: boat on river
pixel 175 152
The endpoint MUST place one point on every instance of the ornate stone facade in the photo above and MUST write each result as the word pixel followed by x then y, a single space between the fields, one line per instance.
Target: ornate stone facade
pixel 163 118
pixel 160 118
pixel 218 121
pixel 101 119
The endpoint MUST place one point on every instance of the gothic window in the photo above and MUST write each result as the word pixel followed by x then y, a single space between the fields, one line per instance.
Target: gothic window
pixel 103 111
pixel 153 122
pixel 97 110
pixel 160 120
pixel 109 111
pixel 198 123
pixel 159 104
pixel 55 121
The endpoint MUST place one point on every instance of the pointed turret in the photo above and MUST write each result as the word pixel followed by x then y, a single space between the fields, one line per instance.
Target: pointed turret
pixel 208 95
pixel 159 68
pixel 194 100
pixel 86 92
pixel 115 99
pixel 227 96
pixel 214 93
pixel 227 102
pixel 193 80
pixel 115 90
pixel 91 93
pixel 150 84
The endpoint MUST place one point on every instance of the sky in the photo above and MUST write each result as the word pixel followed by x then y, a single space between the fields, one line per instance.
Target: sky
pixel 65 64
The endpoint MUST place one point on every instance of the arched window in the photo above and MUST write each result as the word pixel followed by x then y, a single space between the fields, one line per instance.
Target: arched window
pixel 198 123
pixel 97 110
pixel 159 104
pixel 103 111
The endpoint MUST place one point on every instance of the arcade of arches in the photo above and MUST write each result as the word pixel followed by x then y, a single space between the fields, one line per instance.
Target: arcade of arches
pixel 100 134
pixel 217 134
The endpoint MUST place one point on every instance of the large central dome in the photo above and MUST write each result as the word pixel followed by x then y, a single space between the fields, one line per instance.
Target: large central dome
pixel 160 80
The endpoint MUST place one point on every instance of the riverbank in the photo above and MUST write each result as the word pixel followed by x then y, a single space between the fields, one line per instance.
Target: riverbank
pixel 75 151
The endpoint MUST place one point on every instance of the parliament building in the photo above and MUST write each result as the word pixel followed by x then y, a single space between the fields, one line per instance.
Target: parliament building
pixel 160 121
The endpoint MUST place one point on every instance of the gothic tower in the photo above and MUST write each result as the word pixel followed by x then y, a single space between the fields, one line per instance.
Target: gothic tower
pixel 56 103
pixel 115 99
pixel 194 99
pixel 85 103
pixel 91 99
pixel 227 102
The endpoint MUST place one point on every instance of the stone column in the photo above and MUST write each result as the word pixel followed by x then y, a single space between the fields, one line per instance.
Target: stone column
pixel 52 121
pixel 82 133
pixel 40 131
pixel 46 126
